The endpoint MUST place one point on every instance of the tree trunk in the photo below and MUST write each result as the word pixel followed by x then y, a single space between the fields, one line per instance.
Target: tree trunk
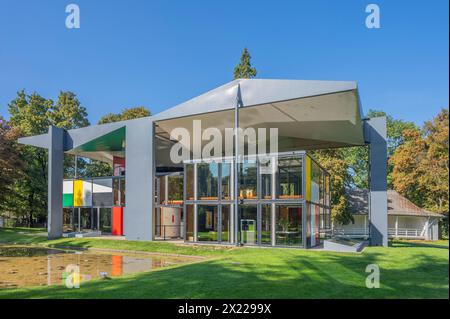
pixel 30 210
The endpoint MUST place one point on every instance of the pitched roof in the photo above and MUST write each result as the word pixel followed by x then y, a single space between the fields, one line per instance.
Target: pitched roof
pixel 397 204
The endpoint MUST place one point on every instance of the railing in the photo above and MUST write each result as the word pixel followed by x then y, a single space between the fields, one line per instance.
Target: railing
pixel 351 232
pixel 169 232
pixel 405 233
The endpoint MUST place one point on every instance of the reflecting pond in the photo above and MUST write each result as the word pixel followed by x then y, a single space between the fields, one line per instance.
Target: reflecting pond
pixel 37 266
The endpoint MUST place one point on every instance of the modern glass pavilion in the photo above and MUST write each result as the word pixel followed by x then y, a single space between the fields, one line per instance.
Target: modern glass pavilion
pixel 279 199
pixel 283 200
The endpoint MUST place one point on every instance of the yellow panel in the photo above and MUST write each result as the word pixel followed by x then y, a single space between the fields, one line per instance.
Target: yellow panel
pixel 308 178
pixel 78 193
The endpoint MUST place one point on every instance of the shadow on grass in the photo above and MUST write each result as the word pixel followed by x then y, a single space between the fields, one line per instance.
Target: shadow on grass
pixel 261 273
pixel 409 243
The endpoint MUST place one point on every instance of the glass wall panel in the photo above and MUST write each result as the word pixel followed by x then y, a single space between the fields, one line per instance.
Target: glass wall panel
pixel 68 220
pixel 321 188
pixel 86 219
pixel 207 222
pixel 248 180
pixel 102 192
pixel 226 209
pixel 162 190
pixel 266 224
pixel 226 181
pixel 175 189
pixel 327 190
pixel 87 193
pixel 116 191
pixel 190 181
pixel 76 219
pixel 266 178
pixel 105 220
pixel 189 222
pixel 122 192
pixel 247 223
pixel 95 219
pixel 68 193
pixel 316 176
pixel 289 178
pixel 313 234
pixel 288 225
pixel 207 181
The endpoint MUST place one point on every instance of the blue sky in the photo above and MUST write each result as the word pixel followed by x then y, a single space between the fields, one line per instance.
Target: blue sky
pixel 160 53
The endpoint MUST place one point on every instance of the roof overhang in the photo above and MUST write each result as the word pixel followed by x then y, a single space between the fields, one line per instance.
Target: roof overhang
pixel 307 114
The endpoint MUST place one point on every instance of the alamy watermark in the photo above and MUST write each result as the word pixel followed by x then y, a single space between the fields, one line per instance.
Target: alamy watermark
pixel 73 19
pixel 221 143
pixel 373 19
pixel 373 279
pixel 72 278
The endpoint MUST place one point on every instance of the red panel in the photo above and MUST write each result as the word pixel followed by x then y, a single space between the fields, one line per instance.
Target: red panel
pixel 118 165
pixel 117 221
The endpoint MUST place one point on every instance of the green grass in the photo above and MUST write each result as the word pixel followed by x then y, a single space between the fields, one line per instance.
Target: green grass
pixel 408 270
pixel 22 235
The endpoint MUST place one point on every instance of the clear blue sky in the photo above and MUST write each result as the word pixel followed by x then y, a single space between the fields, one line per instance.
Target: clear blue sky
pixel 160 53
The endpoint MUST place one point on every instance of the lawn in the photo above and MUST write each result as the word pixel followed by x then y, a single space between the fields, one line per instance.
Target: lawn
pixel 408 270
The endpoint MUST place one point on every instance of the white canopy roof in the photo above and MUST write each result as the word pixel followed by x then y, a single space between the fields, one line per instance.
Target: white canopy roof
pixel 308 114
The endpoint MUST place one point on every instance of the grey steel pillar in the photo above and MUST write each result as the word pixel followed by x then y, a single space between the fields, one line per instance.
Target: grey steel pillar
pixel 375 133
pixel 139 183
pixel 237 162
pixel 55 182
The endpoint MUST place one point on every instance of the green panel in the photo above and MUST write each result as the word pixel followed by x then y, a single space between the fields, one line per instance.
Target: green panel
pixel 67 200
pixel 112 141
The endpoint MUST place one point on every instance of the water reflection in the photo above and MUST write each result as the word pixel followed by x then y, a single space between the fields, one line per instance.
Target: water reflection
pixel 30 266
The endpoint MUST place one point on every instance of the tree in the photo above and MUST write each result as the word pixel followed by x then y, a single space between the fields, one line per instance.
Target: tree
pixel 32 115
pixel 358 157
pixel 68 113
pixel 10 162
pixel 405 162
pixel 126 114
pixel 244 69
pixel 421 165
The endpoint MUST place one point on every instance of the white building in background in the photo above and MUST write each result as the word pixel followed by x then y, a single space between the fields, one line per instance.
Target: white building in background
pixel 405 219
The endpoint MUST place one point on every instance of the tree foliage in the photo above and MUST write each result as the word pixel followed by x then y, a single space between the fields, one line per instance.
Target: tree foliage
pixel 126 114
pixel 358 157
pixel 31 115
pixel 421 165
pixel 244 69
pixel 10 162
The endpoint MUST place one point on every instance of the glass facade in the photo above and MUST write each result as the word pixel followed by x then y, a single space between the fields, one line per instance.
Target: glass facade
pixel 248 225
pixel 207 223
pixel 289 178
pixel 208 181
pixel 190 181
pixel 225 224
pixel 288 225
pixel 318 203
pixel 189 220
pixel 266 224
pixel 226 170
pixel 283 200
pixel 95 192
pixel 248 179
